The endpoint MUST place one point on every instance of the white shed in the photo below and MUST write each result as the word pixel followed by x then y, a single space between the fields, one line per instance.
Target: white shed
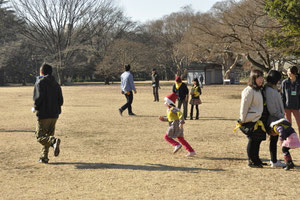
pixel 211 73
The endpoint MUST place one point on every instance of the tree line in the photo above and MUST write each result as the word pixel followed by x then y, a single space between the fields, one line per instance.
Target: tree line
pixel 93 39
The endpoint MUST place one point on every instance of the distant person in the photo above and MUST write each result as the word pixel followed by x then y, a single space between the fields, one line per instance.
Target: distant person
pixel 176 123
pixel 195 98
pixel 250 114
pixel 48 100
pixel 290 89
pixel 288 140
pixel 201 80
pixel 155 85
pixel 182 91
pixel 127 86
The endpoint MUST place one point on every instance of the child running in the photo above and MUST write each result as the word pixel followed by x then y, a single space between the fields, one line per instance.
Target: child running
pixel 289 140
pixel 195 98
pixel 175 130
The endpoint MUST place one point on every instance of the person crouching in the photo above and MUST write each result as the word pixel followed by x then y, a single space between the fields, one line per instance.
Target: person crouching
pixel 288 138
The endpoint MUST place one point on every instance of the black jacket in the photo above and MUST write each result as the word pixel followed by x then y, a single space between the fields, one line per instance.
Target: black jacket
pixel 155 80
pixel 291 94
pixel 181 92
pixel 47 97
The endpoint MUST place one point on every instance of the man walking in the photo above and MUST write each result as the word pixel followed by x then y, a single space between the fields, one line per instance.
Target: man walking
pixel 48 100
pixel 127 86
pixel 155 84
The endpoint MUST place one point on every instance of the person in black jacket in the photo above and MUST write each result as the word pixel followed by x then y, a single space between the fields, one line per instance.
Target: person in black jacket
pixel 182 91
pixel 155 84
pixel 48 99
pixel 290 89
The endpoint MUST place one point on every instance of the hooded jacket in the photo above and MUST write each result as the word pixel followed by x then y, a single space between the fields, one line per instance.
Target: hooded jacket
pixel 47 97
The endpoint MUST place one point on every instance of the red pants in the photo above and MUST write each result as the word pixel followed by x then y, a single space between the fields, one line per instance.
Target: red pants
pixel 296 113
pixel 181 140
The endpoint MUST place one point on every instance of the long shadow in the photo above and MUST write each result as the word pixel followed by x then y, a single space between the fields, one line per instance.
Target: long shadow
pixel 149 116
pixel 230 159
pixel 216 118
pixel 16 131
pixel 224 158
pixel 148 167
pixel 83 106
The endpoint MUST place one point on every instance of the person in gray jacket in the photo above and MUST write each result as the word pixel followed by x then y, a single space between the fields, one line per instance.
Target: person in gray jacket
pixel 276 112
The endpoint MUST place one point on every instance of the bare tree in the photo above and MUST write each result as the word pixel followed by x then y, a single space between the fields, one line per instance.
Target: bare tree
pixel 64 26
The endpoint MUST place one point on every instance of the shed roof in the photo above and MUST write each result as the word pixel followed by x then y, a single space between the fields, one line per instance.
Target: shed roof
pixel 203 66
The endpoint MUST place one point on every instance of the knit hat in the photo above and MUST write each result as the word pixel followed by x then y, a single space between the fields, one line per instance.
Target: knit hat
pixel 171 99
pixel 178 79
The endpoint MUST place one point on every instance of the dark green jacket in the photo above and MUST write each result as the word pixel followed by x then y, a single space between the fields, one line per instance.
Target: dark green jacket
pixel 47 97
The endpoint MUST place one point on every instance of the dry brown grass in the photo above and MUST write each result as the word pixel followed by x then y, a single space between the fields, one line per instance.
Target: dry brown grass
pixel 106 156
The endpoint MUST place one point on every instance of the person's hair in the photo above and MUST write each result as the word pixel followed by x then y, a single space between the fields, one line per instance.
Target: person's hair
pixel 127 67
pixel 252 79
pixel 197 81
pixel 294 70
pixel 46 69
pixel 273 77
pixel 153 69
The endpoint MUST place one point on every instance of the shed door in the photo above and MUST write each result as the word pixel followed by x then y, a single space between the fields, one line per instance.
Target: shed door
pixel 219 76
pixel 208 77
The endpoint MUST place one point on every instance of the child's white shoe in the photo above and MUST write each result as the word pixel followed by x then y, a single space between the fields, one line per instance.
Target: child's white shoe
pixel 277 164
pixel 190 154
pixel 177 147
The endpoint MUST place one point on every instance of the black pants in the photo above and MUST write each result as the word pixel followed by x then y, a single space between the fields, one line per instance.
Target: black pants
pixel 129 98
pixel 273 148
pixel 184 103
pixel 197 111
pixel 285 151
pixel 253 150
pixel 155 93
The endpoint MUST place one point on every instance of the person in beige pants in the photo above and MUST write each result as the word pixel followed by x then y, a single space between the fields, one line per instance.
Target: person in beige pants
pixel 48 100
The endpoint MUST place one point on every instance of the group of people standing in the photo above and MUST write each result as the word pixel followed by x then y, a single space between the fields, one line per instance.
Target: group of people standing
pixel 267 109
pixel 182 91
pixel 179 88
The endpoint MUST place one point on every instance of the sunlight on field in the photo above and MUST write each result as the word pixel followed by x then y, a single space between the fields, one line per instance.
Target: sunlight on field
pixel 106 156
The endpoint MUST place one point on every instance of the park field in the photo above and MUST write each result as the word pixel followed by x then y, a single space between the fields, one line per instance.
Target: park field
pixel 106 156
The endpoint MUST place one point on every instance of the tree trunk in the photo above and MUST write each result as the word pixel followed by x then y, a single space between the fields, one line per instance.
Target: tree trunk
pixel 258 65
pixel 231 68
pixel 2 77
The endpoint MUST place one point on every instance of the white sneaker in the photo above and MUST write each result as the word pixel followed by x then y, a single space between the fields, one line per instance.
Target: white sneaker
pixel 277 164
pixel 190 154
pixel 177 147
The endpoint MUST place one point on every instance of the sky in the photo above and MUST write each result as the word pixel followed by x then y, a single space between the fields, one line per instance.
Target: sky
pixel 145 10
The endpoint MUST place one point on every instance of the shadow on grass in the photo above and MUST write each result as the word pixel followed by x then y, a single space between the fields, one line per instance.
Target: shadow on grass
pixel 16 131
pixel 148 167
pixel 145 116
pixel 216 118
pixel 224 158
